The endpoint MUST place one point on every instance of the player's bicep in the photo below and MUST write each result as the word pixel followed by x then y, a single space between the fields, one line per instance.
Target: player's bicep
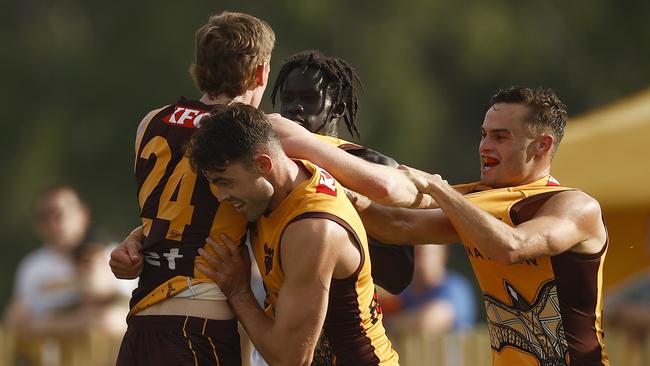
pixel 569 221
pixel 546 235
pixel 308 260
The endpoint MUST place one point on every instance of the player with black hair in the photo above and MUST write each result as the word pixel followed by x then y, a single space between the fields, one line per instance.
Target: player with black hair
pixel 317 91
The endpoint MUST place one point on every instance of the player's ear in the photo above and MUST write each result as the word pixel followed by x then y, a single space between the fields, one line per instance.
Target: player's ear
pixel 261 74
pixel 263 164
pixel 544 143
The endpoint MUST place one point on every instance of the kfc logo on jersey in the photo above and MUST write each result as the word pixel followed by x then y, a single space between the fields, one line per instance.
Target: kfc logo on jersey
pixel 186 117
pixel 326 183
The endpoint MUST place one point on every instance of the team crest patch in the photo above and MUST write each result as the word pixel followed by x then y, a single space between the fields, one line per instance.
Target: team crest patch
pixel 268 258
pixel 535 328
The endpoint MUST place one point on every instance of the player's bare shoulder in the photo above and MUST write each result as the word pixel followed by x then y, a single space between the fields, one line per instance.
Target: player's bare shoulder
pixel 572 203
pixel 583 211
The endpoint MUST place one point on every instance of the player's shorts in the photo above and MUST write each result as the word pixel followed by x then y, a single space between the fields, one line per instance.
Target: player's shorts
pixel 177 340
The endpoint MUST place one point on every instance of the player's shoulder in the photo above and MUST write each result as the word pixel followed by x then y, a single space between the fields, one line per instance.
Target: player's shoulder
pixel 572 202
pixel 315 229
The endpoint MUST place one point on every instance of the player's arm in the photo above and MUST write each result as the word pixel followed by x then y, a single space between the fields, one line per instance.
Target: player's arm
pixel 382 184
pixel 291 336
pixel 408 226
pixel 374 157
pixel 570 220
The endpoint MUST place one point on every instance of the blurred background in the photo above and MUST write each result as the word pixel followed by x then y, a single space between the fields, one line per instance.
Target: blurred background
pixel 78 76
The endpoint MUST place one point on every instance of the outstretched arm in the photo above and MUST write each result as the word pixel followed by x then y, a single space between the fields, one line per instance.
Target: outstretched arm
pixel 382 184
pixel 403 225
pixel 570 220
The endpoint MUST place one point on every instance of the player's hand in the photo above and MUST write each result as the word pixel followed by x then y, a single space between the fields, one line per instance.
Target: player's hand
pixel 359 201
pixel 126 261
pixel 423 181
pixel 230 267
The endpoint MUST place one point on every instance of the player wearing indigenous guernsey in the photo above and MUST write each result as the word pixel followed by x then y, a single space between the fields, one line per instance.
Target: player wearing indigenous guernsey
pixel 537 248
pixel 178 316
pixel 308 241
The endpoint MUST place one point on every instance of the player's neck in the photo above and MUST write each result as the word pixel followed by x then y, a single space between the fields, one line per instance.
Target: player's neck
pixel 245 98
pixel 287 176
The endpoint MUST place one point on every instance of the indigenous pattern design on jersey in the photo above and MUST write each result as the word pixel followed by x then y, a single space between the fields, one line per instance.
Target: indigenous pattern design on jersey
pixel 353 333
pixel 545 311
pixel 178 209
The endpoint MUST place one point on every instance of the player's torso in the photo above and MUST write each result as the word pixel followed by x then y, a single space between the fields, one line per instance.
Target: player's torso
pixel 352 327
pixel 531 306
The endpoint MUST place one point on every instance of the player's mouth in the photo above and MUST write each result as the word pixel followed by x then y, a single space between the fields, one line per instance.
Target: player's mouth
pixel 488 162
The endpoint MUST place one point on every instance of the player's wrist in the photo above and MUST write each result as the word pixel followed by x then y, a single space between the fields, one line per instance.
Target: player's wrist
pixel 241 297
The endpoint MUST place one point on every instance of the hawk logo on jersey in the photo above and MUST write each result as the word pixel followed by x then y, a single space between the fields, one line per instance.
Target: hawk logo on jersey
pixel 326 183
pixel 185 117
pixel 532 328
pixel 268 258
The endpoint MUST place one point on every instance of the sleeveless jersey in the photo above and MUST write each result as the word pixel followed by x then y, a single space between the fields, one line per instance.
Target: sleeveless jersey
pixel 392 265
pixel 178 209
pixel 353 333
pixel 546 310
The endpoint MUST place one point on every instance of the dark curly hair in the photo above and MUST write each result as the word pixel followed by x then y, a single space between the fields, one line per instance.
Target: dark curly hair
pixel 231 133
pixel 547 112
pixel 228 49
pixel 336 72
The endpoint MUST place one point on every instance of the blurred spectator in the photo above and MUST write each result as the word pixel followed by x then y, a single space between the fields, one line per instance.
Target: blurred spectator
pixel 103 300
pixel 436 301
pixel 45 279
pixel 65 288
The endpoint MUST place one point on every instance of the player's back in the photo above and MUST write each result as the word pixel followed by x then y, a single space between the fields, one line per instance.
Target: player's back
pixel 178 208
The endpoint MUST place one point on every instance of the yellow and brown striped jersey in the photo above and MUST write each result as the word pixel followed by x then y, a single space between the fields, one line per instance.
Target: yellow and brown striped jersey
pixel 353 333
pixel 178 209
pixel 546 310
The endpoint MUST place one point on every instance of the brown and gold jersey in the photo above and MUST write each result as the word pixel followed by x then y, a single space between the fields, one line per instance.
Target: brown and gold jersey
pixel 178 209
pixel 392 265
pixel 546 310
pixel 353 333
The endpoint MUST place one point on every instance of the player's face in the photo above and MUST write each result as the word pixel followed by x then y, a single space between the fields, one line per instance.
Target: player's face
pixel 306 99
pixel 242 186
pixel 506 147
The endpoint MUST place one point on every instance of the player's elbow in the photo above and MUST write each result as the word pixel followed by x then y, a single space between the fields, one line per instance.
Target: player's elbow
pixel 507 257
pixel 510 251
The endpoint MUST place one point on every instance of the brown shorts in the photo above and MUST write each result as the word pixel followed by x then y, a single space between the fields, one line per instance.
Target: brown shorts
pixel 179 340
